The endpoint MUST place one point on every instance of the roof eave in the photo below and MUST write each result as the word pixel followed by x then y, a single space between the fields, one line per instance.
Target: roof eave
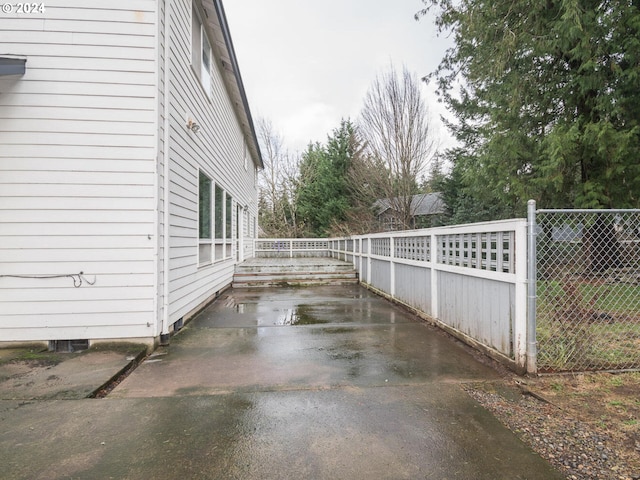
pixel 222 44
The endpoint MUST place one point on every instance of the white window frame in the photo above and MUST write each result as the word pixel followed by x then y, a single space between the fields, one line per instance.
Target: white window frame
pixel 200 51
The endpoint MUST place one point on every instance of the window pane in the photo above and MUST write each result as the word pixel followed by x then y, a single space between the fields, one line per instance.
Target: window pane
pixel 219 212
pixel 206 65
pixel 229 217
pixel 204 253
pixel 206 52
pixel 204 206
pixel 196 46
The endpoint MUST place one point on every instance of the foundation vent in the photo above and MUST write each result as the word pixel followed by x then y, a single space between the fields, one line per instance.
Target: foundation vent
pixel 68 346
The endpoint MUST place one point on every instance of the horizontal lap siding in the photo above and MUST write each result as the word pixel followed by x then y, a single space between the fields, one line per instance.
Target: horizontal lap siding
pixel 78 189
pixel 217 149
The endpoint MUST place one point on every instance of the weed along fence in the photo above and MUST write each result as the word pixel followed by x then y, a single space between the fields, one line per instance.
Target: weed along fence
pixel 559 291
pixel 588 289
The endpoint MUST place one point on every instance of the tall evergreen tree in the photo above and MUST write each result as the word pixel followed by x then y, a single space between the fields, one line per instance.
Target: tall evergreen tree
pixel 323 195
pixel 546 98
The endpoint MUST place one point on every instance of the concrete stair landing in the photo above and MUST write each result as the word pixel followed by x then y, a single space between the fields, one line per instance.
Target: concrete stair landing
pixel 275 272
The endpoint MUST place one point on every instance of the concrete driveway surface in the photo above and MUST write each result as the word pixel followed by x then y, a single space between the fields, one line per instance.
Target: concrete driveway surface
pixel 317 383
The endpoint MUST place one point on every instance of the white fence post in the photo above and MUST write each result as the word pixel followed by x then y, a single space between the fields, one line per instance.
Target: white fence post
pixel 532 274
pixel 392 266
pixel 369 260
pixel 361 256
pixel 353 252
pixel 520 307
pixel 433 258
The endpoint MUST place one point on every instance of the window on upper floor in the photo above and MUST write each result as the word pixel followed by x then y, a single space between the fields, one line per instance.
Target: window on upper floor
pixel 200 51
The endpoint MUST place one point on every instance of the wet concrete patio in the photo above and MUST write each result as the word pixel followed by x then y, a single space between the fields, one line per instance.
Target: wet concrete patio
pixel 324 382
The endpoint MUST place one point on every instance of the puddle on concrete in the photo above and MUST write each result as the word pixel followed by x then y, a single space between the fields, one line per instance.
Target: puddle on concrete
pixel 246 307
pixel 298 316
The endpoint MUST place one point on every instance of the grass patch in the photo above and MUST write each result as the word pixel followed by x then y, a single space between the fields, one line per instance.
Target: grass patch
pixel 588 324
pixel 39 357
pixel 616 381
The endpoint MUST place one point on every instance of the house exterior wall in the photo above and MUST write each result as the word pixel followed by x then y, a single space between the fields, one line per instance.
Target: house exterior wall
pixel 78 172
pixel 217 149
pixel 99 174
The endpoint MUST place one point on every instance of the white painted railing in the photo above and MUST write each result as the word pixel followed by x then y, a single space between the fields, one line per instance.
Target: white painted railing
pixel 470 280
pixel 291 247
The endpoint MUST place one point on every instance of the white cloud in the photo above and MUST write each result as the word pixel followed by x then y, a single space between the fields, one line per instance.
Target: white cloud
pixel 319 118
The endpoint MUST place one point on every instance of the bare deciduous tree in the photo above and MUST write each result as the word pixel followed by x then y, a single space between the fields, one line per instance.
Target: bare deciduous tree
pixel 277 182
pixel 395 126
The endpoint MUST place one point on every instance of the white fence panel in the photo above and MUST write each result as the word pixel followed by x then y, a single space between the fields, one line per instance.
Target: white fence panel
pixel 380 275
pixel 479 308
pixel 291 247
pixel 413 287
pixel 469 279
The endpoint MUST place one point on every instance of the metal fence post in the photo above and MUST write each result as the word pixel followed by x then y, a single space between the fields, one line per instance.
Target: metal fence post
pixel 532 344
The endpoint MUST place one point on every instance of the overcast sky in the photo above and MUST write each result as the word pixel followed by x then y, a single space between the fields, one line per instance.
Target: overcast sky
pixel 306 64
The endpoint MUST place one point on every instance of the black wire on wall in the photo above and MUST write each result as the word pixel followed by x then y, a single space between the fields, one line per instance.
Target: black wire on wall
pixel 77 278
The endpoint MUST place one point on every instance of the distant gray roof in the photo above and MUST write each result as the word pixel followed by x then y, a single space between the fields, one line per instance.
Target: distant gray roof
pixel 422 204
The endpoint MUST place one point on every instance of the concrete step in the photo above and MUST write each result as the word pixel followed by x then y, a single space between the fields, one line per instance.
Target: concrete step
pixel 295 283
pixel 272 279
pixel 293 268
pixel 272 272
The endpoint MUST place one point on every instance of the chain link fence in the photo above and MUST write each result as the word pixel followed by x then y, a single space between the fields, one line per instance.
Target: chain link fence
pixel 588 290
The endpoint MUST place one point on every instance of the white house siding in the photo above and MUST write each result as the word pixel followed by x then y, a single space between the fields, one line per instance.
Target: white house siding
pixel 78 183
pixel 217 149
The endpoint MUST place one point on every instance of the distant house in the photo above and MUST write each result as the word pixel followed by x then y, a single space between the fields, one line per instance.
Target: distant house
pixel 424 208
pixel 128 168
